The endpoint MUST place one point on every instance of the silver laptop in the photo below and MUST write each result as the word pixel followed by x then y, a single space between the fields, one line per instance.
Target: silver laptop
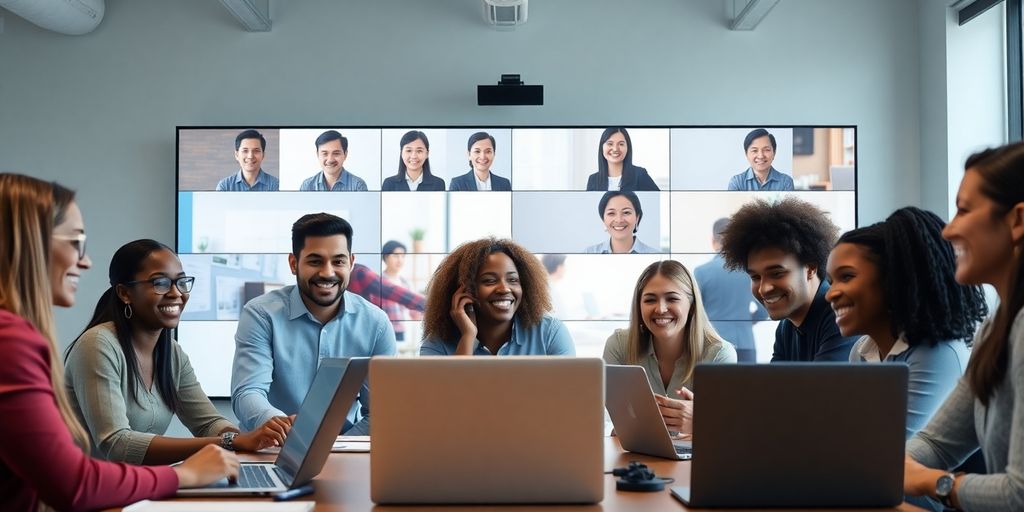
pixel 797 435
pixel 487 430
pixel 636 416
pixel 309 442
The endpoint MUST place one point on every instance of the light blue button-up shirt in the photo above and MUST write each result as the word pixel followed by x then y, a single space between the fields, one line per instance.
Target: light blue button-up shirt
pixel 548 338
pixel 236 183
pixel 346 182
pixel 278 348
pixel 606 248
pixel 776 181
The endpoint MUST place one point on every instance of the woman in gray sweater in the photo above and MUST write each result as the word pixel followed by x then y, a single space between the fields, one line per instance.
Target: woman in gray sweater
pixel 126 376
pixel 986 409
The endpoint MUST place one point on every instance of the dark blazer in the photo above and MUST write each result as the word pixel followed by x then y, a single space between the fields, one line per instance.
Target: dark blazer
pixel 468 182
pixel 397 184
pixel 633 179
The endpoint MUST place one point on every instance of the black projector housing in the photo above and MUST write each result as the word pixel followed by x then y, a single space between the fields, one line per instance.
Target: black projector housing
pixel 491 95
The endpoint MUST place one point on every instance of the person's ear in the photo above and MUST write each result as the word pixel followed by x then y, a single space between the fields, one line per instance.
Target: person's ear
pixel 293 263
pixel 122 293
pixel 1015 219
pixel 812 270
pixel 351 260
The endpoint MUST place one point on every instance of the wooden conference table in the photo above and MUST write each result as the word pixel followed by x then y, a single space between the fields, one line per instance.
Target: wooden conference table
pixel 344 485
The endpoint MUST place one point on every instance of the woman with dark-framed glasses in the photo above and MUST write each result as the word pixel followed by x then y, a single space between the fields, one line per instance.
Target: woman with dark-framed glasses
pixel 126 376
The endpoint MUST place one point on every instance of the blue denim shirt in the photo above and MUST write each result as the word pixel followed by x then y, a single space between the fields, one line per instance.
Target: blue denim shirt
pixel 279 346
pixel 346 182
pixel 548 338
pixel 747 181
pixel 236 183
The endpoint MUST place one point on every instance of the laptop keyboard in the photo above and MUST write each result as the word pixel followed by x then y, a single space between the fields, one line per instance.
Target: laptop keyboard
pixel 254 477
pixel 683 450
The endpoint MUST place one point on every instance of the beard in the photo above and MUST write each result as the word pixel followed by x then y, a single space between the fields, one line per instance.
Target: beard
pixel 309 288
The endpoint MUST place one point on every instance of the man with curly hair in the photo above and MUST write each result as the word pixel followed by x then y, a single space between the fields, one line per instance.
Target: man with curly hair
pixel 783 246
pixel 490 297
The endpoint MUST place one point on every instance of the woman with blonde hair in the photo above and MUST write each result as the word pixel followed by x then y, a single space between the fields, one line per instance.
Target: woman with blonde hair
pixel 669 334
pixel 43 457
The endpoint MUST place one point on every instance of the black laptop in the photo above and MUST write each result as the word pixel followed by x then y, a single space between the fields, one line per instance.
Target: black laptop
pixel 797 435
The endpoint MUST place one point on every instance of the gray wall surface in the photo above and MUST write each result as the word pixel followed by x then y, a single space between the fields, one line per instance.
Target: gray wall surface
pixel 98 112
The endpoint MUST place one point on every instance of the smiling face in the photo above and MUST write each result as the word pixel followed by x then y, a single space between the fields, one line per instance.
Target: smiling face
pixel 779 282
pixel 481 155
pixel 665 307
pixel 249 155
pixel 65 266
pixel 980 235
pixel 620 218
pixel 856 293
pixel 761 154
pixel 413 155
pixel 498 290
pixel 322 269
pixel 151 310
pixel 331 157
pixel 615 148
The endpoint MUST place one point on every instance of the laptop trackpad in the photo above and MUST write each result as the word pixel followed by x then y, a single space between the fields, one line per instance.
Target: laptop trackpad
pixel 682 494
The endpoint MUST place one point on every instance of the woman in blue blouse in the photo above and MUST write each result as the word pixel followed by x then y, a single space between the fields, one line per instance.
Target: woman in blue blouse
pixel 894 283
pixel 490 297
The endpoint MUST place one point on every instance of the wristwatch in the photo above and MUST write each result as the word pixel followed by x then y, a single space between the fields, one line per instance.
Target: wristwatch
pixel 227 440
pixel 944 490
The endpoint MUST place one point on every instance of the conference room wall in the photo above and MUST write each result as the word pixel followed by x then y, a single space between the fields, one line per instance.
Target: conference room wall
pixel 98 111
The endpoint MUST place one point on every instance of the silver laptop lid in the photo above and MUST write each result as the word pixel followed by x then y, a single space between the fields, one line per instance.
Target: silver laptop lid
pixel 320 418
pixel 487 430
pixel 798 435
pixel 635 413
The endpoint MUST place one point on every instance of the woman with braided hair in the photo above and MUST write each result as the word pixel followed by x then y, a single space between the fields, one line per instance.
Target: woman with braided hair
pixel 893 282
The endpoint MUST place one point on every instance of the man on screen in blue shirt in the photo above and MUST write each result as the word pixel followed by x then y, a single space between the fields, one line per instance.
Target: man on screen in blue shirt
pixel 759 146
pixel 250 147
pixel 783 247
pixel 331 152
pixel 284 334
pixel 727 300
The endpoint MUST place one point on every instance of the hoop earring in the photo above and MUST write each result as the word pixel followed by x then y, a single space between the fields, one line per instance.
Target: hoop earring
pixel 128 310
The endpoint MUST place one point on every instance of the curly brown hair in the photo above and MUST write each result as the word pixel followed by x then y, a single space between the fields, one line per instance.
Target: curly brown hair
pixel 792 225
pixel 461 268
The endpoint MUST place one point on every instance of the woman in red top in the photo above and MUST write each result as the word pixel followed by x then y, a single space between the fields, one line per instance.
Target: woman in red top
pixel 43 456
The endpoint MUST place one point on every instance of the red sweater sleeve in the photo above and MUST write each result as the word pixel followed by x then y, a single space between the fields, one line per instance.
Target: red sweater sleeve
pixel 38 457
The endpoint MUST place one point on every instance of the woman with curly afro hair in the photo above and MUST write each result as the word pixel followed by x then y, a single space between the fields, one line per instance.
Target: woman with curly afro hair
pixel 490 297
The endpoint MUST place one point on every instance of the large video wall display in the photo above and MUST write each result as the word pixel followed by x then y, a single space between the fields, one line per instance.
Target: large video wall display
pixel 414 194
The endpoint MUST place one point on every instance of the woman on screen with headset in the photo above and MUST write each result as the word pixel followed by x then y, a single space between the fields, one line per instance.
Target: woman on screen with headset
pixel 893 283
pixel 44 459
pixel 621 214
pixel 615 169
pixel 127 377
pixel 984 411
pixel 413 166
pixel 669 334
pixel 480 150
pixel 490 297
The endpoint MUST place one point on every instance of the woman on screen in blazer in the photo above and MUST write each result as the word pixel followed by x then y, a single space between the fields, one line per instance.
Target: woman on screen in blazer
pixel 413 166
pixel 480 150
pixel 127 377
pixel 44 456
pixel 621 214
pixel 893 283
pixel 984 411
pixel 669 334
pixel 490 297
pixel 615 169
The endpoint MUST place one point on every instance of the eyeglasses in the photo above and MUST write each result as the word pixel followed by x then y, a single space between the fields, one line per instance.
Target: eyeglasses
pixel 77 240
pixel 162 285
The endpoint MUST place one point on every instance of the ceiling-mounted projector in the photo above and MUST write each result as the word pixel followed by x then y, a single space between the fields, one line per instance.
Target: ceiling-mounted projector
pixel 505 13
pixel 510 91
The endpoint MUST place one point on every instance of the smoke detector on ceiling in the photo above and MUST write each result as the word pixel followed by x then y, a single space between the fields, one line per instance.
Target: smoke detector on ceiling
pixel 505 13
